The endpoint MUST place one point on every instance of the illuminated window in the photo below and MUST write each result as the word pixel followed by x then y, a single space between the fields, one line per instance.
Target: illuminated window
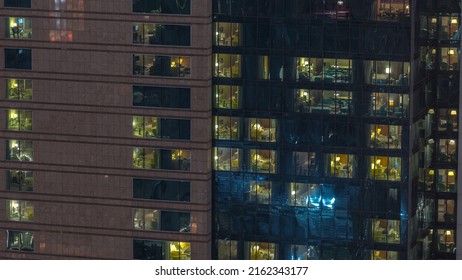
pixel 161 250
pixel 226 34
pixel 327 70
pixel 158 65
pixel 18 28
pixel 389 73
pixel 227 249
pixel 385 168
pixel 262 130
pixel 227 128
pixel 227 65
pixel 19 120
pixel 384 255
pixel 227 97
pixel 152 127
pixel 385 136
pixel 392 10
pixel 449 59
pixel 153 219
pixel 446 240
pixel 19 89
pixel 20 210
pixel 161 159
pixel 446 210
pixel 323 101
pixel 161 34
pixel 227 159
pixel 341 165
pixel 258 192
pixel 260 251
pixel 386 231
pixel 447 120
pixel 19 150
pixel 446 180
pixel 262 161
pixel 302 194
pixel 447 150
pixel 20 180
pixel 20 240
pixel 389 105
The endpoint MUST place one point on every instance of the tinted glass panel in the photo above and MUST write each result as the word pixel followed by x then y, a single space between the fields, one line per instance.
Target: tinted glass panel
pixel 162 6
pixel 18 3
pixel 18 59
pixel 161 34
pixel 161 97
pixel 161 189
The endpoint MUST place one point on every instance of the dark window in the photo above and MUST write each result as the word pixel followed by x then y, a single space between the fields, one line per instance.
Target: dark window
pixel 182 7
pixel 161 97
pixel 20 240
pixel 161 34
pixel 175 221
pixel 18 59
pixel 20 180
pixel 147 250
pixel 18 3
pixel 175 129
pixel 161 189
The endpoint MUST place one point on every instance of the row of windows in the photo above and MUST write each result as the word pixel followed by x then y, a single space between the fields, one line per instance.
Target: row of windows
pixel 383 10
pixel 266 130
pixel 448 58
pixel 445 28
pixel 154 219
pixel 308 101
pixel 251 250
pixel 326 70
pixel 304 163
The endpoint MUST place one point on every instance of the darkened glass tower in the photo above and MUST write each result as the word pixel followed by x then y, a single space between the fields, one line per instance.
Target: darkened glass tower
pixel 328 128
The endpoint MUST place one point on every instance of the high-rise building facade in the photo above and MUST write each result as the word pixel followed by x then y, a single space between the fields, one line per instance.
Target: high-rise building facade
pixel 335 129
pixel 229 129
pixel 105 143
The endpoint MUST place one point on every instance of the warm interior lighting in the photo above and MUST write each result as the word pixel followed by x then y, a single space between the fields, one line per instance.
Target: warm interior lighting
pixel 452 142
pixel 454 21
pixel 433 20
pixel 337 159
pixel 391 102
pixel 451 173
pixel 388 70
pixel 431 141
pixel 433 51
pixel 453 112
pixel 431 111
pixel 378 162
pixel 451 52
pixel 448 232
pixel 431 172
